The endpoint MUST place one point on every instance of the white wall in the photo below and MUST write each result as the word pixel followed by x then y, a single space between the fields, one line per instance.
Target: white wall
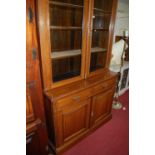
pixel 122 18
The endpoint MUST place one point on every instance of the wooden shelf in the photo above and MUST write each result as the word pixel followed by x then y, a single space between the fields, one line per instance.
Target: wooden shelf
pixel 72 53
pixel 104 12
pixel 67 53
pixel 65 4
pixel 101 29
pixel 100 14
pixel 97 49
pixel 65 28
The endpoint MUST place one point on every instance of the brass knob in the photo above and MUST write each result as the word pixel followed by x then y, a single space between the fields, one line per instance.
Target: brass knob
pixel 76 98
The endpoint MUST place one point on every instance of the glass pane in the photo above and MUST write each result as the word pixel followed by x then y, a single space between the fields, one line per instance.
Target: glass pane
pixel 62 40
pixel 105 5
pixel 65 16
pixel 97 61
pixel 66 38
pixel 100 20
pixel 66 68
pixel 100 33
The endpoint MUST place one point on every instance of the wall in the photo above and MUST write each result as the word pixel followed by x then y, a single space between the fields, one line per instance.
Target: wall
pixel 122 17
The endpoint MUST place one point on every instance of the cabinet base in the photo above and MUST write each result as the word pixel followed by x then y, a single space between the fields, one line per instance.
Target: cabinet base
pixel 67 145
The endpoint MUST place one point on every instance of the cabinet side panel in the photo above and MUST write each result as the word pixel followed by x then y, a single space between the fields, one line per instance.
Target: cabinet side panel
pixel 50 120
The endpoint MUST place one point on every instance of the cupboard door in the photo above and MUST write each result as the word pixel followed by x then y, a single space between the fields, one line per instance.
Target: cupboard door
pixel 101 107
pixel 62 33
pixel 72 121
pixel 99 33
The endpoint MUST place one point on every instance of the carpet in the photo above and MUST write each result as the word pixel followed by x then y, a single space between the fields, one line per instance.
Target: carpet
pixel 111 138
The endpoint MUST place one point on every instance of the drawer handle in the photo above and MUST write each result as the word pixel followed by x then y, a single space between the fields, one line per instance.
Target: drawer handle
pixel 76 98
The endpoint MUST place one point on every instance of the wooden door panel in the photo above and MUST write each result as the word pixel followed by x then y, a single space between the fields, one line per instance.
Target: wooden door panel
pixel 101 106
pixel 73 120
pixel 101 109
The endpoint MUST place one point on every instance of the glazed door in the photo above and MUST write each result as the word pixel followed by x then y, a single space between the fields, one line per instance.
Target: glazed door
pixel 101 106
pixel 99 32
pixel 62 37
pixel 72 121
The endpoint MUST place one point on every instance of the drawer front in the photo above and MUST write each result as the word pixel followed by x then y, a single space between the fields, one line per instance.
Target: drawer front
pixel 74 98
pixel 104 86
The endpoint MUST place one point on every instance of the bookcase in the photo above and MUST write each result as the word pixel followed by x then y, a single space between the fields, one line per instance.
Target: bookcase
pixel 75 48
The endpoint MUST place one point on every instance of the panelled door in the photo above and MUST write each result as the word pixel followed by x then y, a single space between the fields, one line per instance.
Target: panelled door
pixel 101 106
pixel 72 121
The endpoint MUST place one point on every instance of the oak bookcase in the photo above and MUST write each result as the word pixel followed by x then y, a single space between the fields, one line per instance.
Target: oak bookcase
pixel 75 46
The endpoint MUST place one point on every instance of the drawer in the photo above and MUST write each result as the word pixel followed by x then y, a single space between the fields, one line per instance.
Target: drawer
pixel 104 86
pixel 75 98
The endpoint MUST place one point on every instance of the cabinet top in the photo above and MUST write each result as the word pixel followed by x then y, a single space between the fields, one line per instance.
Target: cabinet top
pixel 60 92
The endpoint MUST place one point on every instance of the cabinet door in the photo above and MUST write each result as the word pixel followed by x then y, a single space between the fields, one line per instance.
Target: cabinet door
pixel 72 121
pixel 62 34
pixel 101 107
pixel 100 33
